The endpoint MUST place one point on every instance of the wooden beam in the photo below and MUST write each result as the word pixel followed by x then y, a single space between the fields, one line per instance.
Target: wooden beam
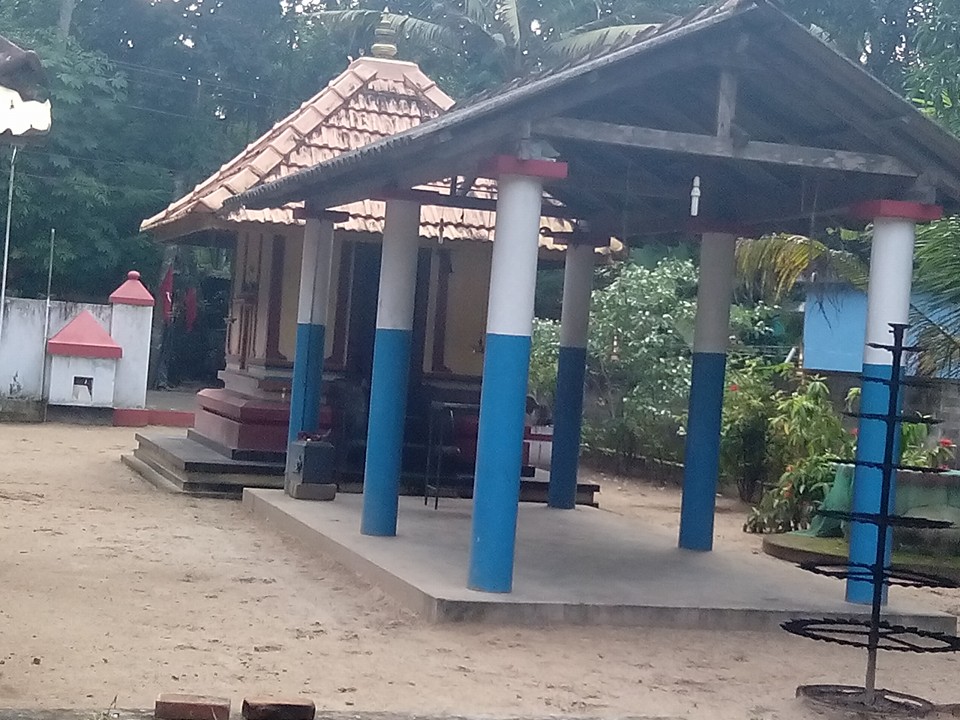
pixel 467 202
pixel 860 119
pixel 693 144
pixel 726 104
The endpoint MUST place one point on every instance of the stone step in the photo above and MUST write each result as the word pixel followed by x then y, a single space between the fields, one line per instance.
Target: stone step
pixel 189 456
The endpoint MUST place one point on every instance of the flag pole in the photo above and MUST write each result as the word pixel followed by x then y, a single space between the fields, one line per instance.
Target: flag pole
pixel 6 241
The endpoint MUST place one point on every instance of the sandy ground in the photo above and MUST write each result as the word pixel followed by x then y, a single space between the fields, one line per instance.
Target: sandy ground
pixel 111 588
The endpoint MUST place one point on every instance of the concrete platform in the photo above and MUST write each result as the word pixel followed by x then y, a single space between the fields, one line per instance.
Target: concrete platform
pixel 584 567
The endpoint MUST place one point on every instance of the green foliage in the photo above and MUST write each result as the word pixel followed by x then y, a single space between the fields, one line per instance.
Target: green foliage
pixel 491 41
pixel 542 383
pixel 748 405
pixel 933 76
pixel 790 504
pixel 148 99
pixel 804 436
pixel 78 183
pixel 780 426
pixel 639 360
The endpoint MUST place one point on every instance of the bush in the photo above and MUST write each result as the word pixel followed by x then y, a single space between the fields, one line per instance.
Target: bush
pixel 542 383
pixel 783 439
pixel 639 360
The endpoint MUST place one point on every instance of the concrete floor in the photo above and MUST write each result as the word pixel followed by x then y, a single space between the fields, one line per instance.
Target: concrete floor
pixel 585 566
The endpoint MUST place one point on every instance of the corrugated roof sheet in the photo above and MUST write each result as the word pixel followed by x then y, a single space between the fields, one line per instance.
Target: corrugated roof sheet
pixel 372 99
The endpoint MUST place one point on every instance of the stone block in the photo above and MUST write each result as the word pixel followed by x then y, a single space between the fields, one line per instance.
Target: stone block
pixel 174 706
pixel 310 491
pixel 269 708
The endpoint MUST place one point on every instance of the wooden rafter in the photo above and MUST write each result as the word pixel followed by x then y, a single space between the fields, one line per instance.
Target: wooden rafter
pixel 705 145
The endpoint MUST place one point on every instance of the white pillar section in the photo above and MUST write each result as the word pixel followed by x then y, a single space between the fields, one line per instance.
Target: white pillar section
pixel 308 271
pixel 514 267
pixel 324 264
pixel 398 273
pixel 577 284
pixel 315 272
pixel 891 273
pixel 717 270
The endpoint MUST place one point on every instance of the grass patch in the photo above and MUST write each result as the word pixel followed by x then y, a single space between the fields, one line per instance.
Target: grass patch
pixel 836 548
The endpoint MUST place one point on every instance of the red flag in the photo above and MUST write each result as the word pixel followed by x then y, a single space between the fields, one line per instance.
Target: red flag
pixel 190 308
pixel 166 294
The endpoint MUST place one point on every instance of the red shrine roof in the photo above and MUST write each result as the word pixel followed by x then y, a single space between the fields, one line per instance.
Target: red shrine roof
pixel 132 292
pixel 84 336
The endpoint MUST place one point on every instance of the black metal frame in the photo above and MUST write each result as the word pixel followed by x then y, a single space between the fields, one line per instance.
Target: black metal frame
pixel 876 634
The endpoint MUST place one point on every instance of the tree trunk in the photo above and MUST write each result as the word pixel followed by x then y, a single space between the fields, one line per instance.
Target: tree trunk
pixel 66 19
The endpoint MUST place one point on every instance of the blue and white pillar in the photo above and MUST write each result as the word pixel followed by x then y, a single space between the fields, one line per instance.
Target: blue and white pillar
pixel 701 462
pixel 571 371
pixel 305 391
pixel 888 301
pixel 513 279
pixel 391 367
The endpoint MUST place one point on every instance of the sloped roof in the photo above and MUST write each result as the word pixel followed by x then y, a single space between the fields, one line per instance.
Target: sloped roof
pixel 84 336
pixel 794 89
pixel 372 99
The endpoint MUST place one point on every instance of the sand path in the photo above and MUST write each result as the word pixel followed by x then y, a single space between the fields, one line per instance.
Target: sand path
pixel 109 587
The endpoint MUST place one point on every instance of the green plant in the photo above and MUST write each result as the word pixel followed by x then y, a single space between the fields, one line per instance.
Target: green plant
pixel 542 383
pixel 639 360
pixel 747 407
pixel 804 437
pixel 790 504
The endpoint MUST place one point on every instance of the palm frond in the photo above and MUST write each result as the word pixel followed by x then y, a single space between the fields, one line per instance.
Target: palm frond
pixel 579 44
pixel 407 27
pixel 935 314
pixel 508 13
pixel 348 19
pixel 938 261
pixel 481 12
pixel 424 32
pixel 938 333
pixel 771 266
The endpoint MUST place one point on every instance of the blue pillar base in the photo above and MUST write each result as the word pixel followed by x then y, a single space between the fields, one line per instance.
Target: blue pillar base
pixel 499 457
pixel 567 417
pixel 701 463
pixel 388 408
pixel 871 440
pixel 307 382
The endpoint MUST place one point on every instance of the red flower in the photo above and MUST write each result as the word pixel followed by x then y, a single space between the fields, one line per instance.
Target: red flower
pixel 734 387
pixel 946 442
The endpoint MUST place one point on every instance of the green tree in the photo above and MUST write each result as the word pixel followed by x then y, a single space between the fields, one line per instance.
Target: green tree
pixel 497 40
pixel 149 99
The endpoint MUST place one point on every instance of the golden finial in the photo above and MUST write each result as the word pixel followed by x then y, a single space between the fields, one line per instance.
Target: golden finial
pixel 385 43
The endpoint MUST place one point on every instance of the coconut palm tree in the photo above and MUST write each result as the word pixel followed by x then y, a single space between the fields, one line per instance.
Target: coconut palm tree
pixel 495 32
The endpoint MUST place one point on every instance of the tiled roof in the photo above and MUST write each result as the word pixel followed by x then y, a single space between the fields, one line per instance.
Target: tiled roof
pixel 372 99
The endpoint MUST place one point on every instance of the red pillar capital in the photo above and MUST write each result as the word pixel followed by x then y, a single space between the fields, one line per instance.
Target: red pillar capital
pixel 902 209
pixel 509 165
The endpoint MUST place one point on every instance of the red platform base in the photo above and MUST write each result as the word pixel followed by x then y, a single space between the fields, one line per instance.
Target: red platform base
pixel 239 422
pixel 142 417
